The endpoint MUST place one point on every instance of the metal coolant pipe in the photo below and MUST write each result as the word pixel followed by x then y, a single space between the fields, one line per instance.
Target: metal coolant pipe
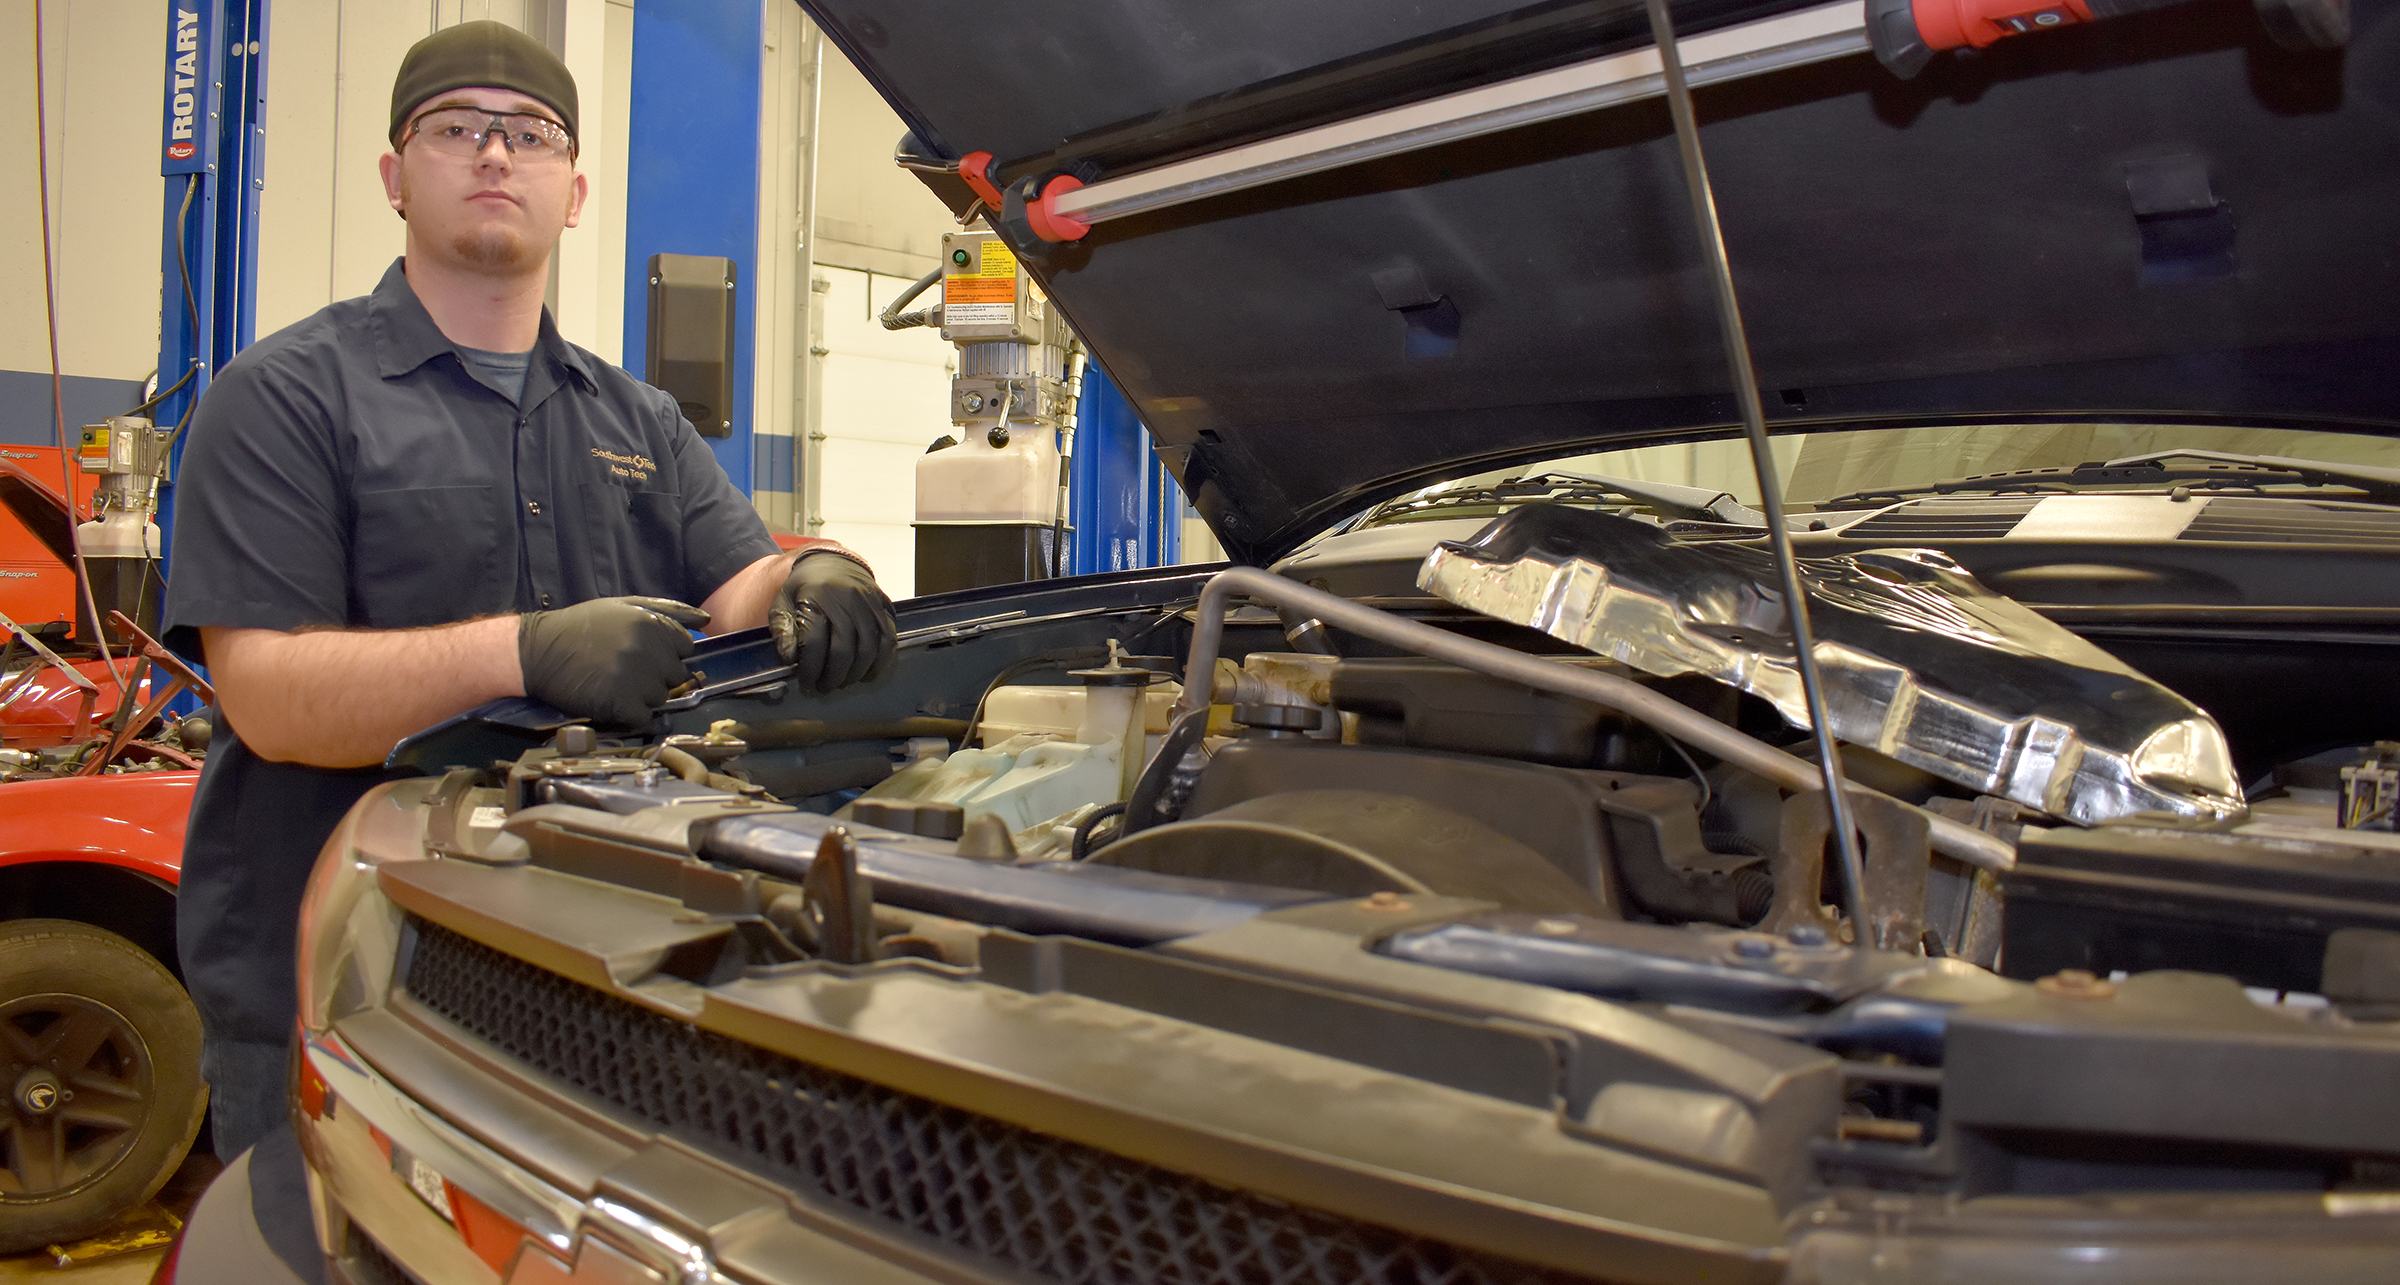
pixel 1623 695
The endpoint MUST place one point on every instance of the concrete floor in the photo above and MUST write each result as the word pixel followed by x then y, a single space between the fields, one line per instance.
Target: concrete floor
pixel 127 1268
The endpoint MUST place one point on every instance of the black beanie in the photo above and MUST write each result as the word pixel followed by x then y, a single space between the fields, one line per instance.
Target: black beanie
pixel 482 53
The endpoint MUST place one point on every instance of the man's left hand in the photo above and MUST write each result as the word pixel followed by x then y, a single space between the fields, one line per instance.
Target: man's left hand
pixel 832 622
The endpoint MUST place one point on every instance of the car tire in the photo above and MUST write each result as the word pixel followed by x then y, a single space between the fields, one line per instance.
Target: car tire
pixel 100 1059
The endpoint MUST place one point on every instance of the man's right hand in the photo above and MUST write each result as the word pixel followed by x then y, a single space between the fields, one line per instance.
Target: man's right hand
pixel 611 660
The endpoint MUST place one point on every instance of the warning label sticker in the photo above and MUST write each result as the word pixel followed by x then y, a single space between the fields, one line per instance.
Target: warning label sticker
pixel 985 296
pixel 977 314
pixel 964 289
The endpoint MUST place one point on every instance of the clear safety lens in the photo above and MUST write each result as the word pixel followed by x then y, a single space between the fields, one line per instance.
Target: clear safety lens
pixel 463 131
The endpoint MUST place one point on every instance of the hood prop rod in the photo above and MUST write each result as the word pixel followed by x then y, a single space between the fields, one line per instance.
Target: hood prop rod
pixel 1754 423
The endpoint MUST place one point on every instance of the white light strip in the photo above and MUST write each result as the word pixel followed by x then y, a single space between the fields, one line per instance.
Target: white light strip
pixel 1791 40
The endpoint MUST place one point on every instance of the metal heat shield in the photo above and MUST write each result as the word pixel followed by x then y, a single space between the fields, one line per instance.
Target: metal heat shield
pixel 1921 662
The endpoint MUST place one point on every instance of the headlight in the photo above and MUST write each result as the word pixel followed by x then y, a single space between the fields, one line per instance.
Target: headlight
pixel 349 934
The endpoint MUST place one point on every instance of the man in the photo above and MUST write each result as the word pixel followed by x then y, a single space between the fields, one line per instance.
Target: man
pixel 419 501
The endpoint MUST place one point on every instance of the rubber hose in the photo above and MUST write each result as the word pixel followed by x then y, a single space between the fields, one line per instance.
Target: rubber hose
pixel 1083 846
pixel 891 318
pixel 1753 893
pixel 682 764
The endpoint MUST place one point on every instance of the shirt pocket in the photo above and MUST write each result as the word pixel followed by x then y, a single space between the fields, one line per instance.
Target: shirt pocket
pixel 635 540
pixel 430 555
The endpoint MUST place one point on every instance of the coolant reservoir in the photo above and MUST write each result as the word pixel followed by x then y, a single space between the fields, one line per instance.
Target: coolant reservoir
pixel 976 481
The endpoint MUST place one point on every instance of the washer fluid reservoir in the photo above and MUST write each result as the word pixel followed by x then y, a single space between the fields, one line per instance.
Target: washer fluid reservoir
pixel 1075 747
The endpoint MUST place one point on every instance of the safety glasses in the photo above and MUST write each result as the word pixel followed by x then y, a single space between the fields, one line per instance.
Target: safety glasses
pixel 464 131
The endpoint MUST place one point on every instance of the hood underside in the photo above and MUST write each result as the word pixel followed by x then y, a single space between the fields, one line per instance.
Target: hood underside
pixel 1985 239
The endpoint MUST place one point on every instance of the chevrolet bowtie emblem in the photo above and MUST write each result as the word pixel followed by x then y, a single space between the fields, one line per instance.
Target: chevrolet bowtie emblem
pixel 616 1245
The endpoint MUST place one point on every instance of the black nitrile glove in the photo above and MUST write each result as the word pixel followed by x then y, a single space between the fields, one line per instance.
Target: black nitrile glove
pixel 611 660
pixel 832 622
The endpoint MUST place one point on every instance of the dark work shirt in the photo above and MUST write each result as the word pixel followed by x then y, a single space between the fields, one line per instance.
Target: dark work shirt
pixel 352 471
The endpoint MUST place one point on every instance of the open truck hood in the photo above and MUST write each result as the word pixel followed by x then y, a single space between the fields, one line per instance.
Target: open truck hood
pixel 2164 214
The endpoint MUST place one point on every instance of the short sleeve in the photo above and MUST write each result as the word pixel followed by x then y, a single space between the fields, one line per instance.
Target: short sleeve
pixel 259 512
pixel 722 532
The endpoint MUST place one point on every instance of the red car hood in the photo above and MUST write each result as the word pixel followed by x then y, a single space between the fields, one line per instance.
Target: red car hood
pixel 44 512
pixel 132 819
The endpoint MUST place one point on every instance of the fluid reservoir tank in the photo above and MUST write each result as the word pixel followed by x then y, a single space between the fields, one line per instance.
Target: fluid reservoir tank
pixel 976 481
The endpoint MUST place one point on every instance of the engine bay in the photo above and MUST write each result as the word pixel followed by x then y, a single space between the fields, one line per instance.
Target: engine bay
pixel 1529 817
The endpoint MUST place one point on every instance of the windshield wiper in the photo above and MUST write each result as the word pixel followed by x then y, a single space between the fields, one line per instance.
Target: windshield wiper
pixel 1698 503
pixel 2217 468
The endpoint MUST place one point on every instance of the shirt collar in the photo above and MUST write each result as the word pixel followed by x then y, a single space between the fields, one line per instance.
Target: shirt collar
pixel 406 338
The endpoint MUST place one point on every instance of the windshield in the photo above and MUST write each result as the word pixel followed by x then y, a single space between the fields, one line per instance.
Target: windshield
pixel 1816 467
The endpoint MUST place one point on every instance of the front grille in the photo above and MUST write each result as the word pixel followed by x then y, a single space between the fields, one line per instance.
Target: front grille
pixel 1056 1209
pixel 2249 521
pixel 1944 520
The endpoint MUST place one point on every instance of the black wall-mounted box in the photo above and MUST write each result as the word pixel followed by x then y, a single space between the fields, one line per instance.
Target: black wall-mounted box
pixel 690 352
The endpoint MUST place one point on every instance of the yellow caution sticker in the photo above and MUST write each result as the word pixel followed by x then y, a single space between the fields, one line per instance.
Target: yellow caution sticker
pixel 986 296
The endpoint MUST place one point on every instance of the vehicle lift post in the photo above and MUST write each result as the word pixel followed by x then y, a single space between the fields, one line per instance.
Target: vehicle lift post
pixel 211 152
pixel 212 142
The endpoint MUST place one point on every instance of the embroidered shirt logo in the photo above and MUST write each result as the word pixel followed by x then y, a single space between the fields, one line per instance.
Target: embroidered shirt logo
pixel 634 468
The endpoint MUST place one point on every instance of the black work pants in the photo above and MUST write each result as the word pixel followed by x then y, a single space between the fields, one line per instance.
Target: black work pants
pixel 255 831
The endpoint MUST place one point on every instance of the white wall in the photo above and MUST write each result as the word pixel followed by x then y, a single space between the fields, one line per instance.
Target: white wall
pixel 778 290
pixel 325 232
pixel 882 396
pixel 102 61
pixel 886 398
pixel 589 306
pixel 871 214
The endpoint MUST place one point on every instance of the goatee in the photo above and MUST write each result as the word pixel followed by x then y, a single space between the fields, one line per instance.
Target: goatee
pixel 491 248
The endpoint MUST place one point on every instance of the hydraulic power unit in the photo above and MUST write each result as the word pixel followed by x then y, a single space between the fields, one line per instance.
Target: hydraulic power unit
pixel 121 545
pixel 991 497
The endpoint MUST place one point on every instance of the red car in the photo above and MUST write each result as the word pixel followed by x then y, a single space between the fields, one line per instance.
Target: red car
pixel 99 1044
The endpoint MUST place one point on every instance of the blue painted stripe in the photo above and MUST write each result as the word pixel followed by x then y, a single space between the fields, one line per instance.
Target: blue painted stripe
pixel 25 418
pixel 774 462
pixel 1106 495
